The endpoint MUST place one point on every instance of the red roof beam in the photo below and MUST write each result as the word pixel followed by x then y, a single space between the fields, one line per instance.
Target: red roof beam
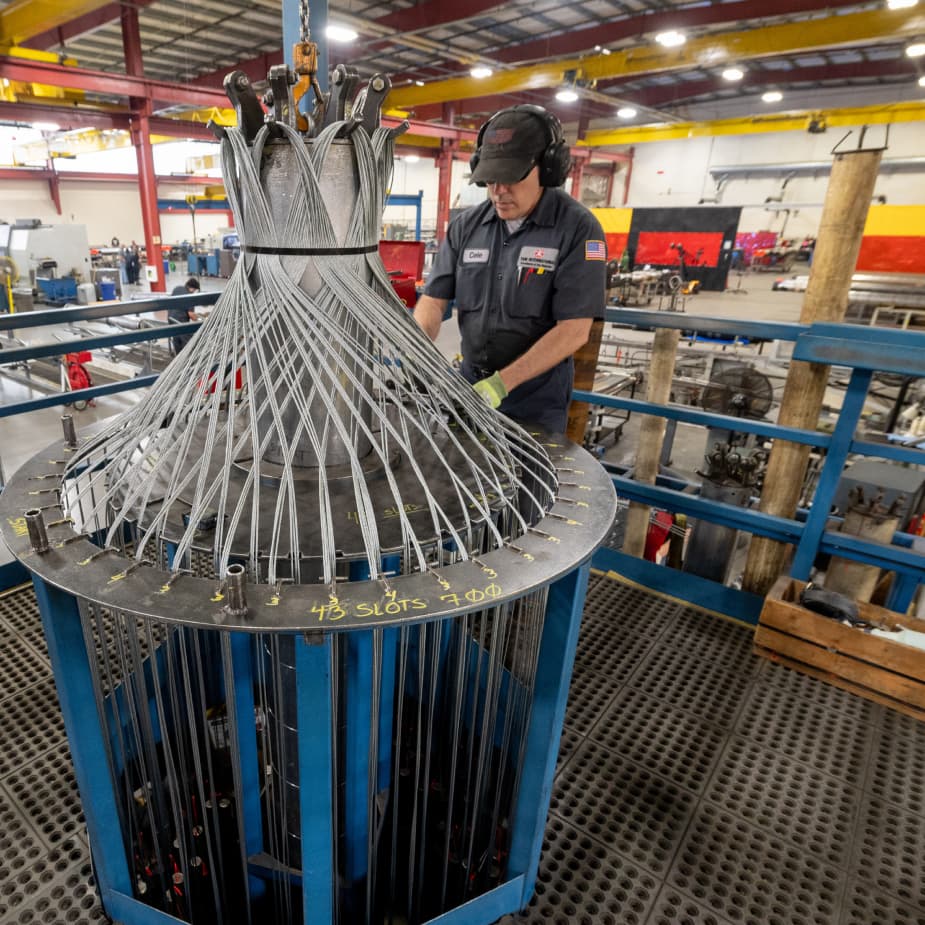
pixel 70 117
pixel 59 75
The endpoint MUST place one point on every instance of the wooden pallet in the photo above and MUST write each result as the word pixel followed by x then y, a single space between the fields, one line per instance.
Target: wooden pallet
pixel 872 667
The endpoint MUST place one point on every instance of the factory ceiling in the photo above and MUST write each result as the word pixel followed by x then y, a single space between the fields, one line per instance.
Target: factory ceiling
pixel 608 51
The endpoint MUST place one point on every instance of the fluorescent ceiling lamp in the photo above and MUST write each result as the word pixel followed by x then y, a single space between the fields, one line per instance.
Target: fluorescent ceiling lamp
pixel 419 83
pixel 626 112
pixel 480 72
pixel 900 4
pixel 733 73
pixel 602 50
pixel 772 96
pixel 922 81
pixel 411 158
pixel 671 39
pixel 915 50
pixel 340 33
pixel 566 95
pixel 46 126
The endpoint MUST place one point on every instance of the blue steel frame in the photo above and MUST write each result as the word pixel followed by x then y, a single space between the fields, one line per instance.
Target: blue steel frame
pixel 415 200
pixel 316 745
pixel 863 350
pixel 101 312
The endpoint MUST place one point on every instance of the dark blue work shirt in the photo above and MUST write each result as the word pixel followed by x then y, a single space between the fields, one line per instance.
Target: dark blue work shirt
pixel 512 288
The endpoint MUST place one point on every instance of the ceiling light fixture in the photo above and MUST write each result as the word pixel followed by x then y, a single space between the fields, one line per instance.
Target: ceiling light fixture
pixel 411 158
pixel 671 39
pixel 480 72
pixel 916 50
pixel 566 95
pixel 626 112
pixel 601 50
pixel 922 81
pixel 772 96
pixel 419 83
pixel 733 73
pixel 338 33
pixel 900 4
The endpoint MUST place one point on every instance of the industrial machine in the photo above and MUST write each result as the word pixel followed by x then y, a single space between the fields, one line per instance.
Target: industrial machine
pixel 733 466
pixel 311 605
pixel 49 252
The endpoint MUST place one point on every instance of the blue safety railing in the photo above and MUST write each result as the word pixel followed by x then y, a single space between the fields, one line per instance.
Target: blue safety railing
pixel 861 349
pixel 57 317
pixel 864 351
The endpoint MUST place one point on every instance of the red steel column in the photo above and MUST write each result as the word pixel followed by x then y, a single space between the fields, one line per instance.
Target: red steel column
pixel 445 174
pixel 628 176
pixel 54 184
pixel 141 139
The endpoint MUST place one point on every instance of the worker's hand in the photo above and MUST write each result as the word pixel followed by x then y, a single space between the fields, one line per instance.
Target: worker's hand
pixel 492 390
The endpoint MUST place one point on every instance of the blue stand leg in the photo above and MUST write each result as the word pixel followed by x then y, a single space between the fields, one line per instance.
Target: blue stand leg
pixel 74 680
pixel 314 674
pixel 553 676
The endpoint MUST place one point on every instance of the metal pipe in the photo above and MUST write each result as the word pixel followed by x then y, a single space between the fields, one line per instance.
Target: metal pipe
pixel 236 595
pixel 70 430
pixel 38 533
pixel 805 168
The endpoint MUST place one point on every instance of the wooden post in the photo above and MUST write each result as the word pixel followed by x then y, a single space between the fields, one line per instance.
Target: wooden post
pixel 651 435
pixel 851 186
pixel 585 368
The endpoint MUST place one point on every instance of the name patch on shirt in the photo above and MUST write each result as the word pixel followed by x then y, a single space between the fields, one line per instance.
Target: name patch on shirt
pixel 538 258
pixel 475 255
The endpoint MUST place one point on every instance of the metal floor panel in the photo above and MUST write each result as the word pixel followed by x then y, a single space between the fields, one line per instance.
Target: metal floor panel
pixel 697 785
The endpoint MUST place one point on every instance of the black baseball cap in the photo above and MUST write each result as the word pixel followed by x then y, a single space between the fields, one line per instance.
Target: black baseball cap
pixel 512 143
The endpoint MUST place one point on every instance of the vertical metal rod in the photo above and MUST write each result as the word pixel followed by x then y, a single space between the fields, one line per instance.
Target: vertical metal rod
pixel 396 774
pixel 461 629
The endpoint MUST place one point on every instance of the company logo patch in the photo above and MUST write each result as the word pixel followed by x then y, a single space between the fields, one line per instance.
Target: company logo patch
pixel 595 250
pixel 499 136
pixel 475 255
pixel 538 258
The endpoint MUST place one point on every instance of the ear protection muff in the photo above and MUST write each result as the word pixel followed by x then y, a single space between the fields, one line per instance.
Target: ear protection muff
pixel 554 162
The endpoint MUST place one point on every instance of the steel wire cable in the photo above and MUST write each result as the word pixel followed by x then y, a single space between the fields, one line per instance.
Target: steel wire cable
pixel 340 368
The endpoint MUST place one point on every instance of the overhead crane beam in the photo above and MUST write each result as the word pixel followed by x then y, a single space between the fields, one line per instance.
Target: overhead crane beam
pixel 683 91
pixel 632 28
pixel 880 114
pixel 21 20
pixel 708 51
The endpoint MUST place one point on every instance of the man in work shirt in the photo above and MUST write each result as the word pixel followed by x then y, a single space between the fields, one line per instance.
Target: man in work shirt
pixel 527 269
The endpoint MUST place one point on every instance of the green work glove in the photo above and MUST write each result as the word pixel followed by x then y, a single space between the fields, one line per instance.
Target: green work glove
pixel 492 390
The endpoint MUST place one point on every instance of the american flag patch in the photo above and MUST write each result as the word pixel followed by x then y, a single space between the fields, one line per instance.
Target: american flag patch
pixel 595 250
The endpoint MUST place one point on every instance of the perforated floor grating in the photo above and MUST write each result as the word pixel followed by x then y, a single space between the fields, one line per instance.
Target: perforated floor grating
pixel 696 785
